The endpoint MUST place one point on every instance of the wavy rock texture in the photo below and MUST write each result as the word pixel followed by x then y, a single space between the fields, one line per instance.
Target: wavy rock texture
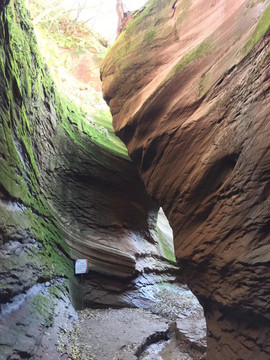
pixel 188 86
pixel 66 192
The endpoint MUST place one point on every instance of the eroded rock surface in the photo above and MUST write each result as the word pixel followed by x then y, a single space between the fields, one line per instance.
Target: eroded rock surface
pixel 188 87
pixel 34 322
pixel 66 192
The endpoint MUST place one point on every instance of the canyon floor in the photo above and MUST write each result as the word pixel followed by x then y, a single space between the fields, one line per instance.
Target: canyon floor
pixel 171 329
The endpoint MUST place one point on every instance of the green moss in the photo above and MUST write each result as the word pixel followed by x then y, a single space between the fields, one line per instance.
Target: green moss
pixel 150 35
pixel 44 307
pixel 25 87
pixel 263 59
pixel 203 84
pixel 55 291
pixel 20 176
pixel 199 51
pixel 143 26
pixel 26 94
pixel 260 29
pixel 253 3
pixel 168 251
pixel 139 17
pixel 76 125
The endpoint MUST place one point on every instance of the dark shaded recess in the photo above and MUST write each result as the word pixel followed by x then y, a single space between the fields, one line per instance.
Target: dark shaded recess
pixel 235 314
pixel 153 339
pixel 265 192
pixel 248 318
pixel 147 120
pixel 150 154
pixel 265 229
pixel 216 176
pixel 127 133
pixel 4 194
pixel 19 355
pixel 227 269
pixel 3 95
pixel 6 35
pixel 204 197
pixel 3 4
pixel 91 179
pixel 4 238
pixel 136 155
pixel 226 74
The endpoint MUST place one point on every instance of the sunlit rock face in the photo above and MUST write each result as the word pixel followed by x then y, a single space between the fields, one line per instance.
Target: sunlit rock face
pixel 188 87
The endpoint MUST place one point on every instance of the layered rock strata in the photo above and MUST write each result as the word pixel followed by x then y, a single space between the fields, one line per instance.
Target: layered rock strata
pixel 66 192
pixel 188 87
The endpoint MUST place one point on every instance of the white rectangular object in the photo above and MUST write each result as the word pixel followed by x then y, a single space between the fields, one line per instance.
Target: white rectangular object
pixel 81 266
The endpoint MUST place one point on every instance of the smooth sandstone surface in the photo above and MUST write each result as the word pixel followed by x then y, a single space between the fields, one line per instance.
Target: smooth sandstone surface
pixel 188 86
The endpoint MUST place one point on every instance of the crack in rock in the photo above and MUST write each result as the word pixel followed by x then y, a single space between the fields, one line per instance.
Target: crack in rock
pixel 153 339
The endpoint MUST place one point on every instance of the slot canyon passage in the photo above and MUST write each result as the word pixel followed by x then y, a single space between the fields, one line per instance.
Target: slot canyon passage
pixel 187 83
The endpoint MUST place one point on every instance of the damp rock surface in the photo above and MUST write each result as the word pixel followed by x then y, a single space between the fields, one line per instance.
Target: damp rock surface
pixel 33 325
pixel 126 334
pixel 173 327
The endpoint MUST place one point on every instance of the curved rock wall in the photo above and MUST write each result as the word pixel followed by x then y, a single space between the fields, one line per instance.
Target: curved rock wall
pixel 57 185
pixel 188 87
pixel 66 192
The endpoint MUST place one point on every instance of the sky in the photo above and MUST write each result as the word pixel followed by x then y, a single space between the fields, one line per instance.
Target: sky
pixel 134 4
pixel 101 15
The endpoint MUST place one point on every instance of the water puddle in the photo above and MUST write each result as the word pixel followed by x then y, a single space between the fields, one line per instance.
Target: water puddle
pixel 153 352
pixel 165 350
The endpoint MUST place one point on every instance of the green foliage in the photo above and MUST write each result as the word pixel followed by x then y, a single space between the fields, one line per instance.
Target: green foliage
pixel 59 29
pixel 67 30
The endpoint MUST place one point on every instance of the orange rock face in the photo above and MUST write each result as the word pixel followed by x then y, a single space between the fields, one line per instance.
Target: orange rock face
pixel 188 86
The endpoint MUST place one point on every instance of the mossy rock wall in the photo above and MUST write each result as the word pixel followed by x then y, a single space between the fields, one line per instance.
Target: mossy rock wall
pixel 58 184
pixel 67 191
pixel 33 247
